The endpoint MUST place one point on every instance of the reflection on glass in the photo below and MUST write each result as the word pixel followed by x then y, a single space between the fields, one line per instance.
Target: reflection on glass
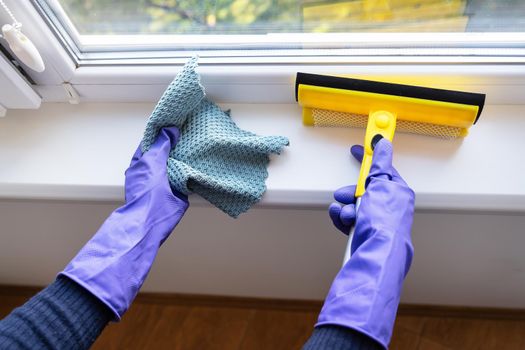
pixel 292 16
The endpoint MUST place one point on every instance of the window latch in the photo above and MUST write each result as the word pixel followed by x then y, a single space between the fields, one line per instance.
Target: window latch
pixel 72 94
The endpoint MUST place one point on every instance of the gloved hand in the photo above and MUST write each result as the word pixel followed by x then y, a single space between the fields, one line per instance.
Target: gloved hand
pixel 115 262
pixel 365 294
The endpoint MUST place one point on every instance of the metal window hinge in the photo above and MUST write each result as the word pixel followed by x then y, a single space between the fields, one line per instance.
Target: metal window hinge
pixel 72 94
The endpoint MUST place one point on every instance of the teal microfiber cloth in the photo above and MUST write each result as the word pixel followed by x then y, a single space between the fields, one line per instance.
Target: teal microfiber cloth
pixel 214 157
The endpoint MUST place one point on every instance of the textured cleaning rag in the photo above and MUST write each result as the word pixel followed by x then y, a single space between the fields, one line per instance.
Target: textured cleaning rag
pixel 213 158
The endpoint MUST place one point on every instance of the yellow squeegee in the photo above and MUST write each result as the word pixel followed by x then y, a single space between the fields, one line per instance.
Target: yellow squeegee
pixel 383 108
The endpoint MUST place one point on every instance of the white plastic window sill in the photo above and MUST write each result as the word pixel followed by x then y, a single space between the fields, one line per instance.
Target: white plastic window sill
pixel 65 152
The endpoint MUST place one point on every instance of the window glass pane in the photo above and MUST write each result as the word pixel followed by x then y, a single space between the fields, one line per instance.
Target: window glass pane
pixel 293 16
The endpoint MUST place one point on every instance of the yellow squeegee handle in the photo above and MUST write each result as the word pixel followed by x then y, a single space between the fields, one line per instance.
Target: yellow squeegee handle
pixel 379 123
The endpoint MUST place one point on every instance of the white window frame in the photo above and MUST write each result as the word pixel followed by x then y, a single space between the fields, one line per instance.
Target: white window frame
pixel 16 92
pixel 270 79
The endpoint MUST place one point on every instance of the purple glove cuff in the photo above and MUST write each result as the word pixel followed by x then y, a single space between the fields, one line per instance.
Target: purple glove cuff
pixel 116 261
pixel 366 293
pixel 96 292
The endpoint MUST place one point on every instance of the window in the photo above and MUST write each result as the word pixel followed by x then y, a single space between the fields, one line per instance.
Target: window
pixel 292 16
pixel 155 31
pixel 129 50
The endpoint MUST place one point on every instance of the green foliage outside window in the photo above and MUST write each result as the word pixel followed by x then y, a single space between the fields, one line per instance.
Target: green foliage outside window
pixel 295 16
pixel 187 16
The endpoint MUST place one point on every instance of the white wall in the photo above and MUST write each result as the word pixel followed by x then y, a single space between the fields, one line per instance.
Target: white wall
pixel 462 259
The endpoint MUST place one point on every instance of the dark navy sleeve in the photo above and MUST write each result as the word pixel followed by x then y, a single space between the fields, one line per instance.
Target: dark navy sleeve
pixel 339 338
pixel 62 316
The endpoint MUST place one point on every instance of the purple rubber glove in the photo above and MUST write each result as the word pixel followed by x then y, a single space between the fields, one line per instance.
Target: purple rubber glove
pixel 365 294
pixel 115 262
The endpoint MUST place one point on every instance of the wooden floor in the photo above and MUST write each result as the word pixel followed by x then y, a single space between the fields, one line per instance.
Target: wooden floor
pixel 189 322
